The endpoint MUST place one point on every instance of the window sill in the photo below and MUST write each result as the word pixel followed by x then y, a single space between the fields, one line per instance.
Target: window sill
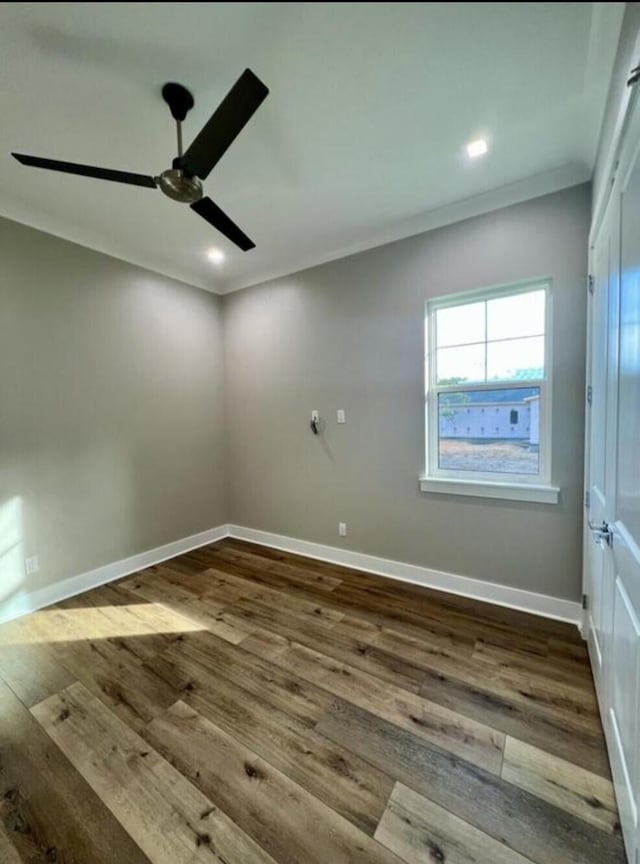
pixel 540 494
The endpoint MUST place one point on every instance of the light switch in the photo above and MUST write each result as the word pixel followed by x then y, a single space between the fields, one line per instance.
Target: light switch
pixel 31 565
pixel 341 417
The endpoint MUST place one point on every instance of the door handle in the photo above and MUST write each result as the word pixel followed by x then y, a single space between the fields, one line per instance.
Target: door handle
pixel 601 532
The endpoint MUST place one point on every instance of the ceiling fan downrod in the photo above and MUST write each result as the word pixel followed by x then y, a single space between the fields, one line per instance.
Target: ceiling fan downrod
pixel 174 182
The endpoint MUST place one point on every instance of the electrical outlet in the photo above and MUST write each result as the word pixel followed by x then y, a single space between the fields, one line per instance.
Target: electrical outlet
pixel 341 417
pixel 342 529
pixel 31 565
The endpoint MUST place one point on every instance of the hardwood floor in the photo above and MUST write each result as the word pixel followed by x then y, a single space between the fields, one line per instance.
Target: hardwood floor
pixel 238 704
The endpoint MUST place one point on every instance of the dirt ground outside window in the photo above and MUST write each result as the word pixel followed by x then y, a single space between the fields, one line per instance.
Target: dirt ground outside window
pixel 511 457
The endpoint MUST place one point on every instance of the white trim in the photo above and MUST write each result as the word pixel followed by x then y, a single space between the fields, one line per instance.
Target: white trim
pixel 452 583
pixel 535 186
pixel 536 492
pixel 518 192
pixel 488 592
pixel 490 292
pixel 22 604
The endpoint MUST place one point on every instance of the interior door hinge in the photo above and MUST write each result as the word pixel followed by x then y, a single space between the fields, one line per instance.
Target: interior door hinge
pixel 589 394
pixel 590 283
pixel 585 601
pixel 587 499
pixel 634 76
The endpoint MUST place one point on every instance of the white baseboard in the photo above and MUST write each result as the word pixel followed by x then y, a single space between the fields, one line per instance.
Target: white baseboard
pixel 22 604
pixel 489 592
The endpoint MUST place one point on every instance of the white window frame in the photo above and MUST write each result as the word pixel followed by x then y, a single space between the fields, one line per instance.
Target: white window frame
pixel 519 487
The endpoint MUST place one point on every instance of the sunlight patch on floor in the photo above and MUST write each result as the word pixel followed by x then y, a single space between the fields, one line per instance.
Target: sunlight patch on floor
pixel 95 622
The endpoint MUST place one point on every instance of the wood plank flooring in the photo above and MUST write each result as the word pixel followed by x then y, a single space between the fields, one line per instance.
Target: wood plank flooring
pixel 242 705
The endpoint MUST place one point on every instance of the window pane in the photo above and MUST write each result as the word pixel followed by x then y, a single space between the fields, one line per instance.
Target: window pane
pixel 490 431
pixel 516 359
pixel 518 315
pixel 460 325
pixel 464 363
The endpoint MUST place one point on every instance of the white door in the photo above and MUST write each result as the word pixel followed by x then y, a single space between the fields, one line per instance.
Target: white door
pixel 612 555
pixel 601 468
pixel 625 548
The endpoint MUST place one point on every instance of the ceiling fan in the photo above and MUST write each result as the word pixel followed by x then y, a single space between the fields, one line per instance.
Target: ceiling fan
pixel 182 182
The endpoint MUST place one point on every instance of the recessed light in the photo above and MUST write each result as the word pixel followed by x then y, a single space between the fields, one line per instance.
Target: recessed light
pixel 216 256
pixel 477 148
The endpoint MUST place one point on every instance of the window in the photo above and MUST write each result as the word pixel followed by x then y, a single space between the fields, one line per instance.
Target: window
pixel 487 385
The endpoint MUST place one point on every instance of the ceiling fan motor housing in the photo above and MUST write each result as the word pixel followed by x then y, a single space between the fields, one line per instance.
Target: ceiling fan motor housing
pixel 180 187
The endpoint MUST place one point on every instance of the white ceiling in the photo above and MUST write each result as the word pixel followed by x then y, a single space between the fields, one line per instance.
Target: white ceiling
pixel 360 141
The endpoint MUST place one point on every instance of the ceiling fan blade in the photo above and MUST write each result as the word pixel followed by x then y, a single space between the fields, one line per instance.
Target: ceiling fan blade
pixel 87 170
pixel 206 208
pixel 226 122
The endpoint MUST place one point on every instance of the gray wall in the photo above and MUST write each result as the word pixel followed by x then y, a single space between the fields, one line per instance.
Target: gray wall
pixel 349 334
pixel 112 404
pixel 111 408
